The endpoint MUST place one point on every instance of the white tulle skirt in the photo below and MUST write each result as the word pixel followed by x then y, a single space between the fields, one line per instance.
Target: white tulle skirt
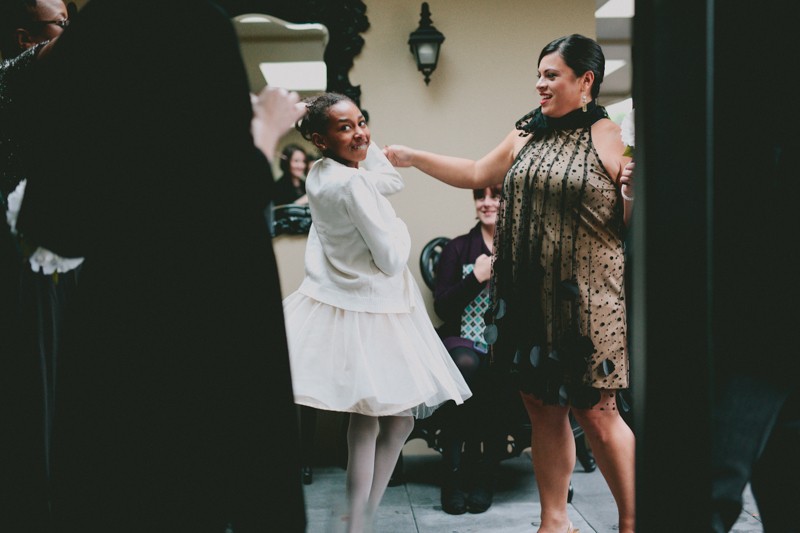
pixel 376 364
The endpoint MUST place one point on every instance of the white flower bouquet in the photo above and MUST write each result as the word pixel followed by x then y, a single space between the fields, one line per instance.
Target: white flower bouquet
pixel 628 134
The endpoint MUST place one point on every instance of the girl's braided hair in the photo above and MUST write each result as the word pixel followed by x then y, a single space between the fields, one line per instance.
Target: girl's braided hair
pixel 316 120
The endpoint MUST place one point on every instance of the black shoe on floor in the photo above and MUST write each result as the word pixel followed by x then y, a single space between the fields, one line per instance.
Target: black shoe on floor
pixel 482 487
pixel 454 499
pixel 587 462
pixel 479 500
pixel 585 456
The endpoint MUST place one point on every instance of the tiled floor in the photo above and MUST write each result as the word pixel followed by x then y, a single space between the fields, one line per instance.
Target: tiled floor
pixel 414 506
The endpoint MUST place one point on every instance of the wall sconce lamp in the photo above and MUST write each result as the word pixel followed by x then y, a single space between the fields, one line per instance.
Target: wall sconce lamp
pixel 425 42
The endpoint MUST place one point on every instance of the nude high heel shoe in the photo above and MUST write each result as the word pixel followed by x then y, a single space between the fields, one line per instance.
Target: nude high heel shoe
pixel 571 529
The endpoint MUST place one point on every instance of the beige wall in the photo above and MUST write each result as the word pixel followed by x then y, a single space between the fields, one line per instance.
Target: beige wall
pixel 483 84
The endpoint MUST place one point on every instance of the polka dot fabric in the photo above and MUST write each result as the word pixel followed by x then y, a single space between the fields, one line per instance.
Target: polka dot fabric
pixel 559 245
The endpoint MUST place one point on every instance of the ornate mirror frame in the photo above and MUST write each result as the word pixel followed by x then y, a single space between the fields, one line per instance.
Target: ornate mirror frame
pixel 346 20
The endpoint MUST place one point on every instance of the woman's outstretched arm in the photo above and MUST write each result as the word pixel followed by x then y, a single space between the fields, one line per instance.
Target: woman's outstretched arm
pixel 456 171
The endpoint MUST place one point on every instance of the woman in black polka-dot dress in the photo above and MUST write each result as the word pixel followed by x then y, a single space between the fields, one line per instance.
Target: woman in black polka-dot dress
pixel 558 317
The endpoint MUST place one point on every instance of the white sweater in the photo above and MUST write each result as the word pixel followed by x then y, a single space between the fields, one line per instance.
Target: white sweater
pixel 357 251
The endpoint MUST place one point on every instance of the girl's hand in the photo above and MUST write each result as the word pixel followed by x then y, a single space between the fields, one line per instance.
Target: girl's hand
pixel 398 155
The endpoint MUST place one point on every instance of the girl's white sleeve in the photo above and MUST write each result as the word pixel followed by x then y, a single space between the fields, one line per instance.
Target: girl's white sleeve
pixel 385 234
pixel 378 169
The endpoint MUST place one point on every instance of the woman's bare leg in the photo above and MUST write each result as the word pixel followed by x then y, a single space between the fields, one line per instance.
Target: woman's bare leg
pixel 614 446
pixel 553 453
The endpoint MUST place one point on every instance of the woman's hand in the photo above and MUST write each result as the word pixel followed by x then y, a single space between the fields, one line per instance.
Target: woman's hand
pixel 399 155
pixel 483 268
pixel 275 111
pixel 626 181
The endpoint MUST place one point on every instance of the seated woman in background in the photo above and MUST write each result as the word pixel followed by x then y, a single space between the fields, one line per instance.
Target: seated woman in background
pixel 291 186
pixel 461 297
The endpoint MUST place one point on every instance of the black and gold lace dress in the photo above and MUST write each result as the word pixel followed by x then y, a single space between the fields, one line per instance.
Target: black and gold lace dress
pixel 558 319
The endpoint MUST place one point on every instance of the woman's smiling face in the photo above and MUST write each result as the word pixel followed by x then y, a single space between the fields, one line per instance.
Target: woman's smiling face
pixel 347 137
pixel 558 86
pixel 487 204
pixel 298 164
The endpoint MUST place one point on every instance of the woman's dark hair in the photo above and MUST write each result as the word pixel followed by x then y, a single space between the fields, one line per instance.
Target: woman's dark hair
pixel 286 156
pixel 497 190
pixel 316 120
pixel 14 14
pixel 581 54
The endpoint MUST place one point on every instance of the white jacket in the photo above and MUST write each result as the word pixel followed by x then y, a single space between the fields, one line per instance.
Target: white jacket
pixel 357 251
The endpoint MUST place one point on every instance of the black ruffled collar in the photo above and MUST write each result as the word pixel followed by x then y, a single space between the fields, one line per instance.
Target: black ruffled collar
pixel 539 125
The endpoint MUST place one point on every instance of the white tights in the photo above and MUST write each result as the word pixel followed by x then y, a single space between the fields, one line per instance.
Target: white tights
pixel 374 445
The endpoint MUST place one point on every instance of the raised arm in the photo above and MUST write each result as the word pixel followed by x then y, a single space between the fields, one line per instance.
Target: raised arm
pixel 384 233
pixel 456 171
pixel 275 111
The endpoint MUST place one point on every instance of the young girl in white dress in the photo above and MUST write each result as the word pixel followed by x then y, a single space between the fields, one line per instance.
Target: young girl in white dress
pixel 360 339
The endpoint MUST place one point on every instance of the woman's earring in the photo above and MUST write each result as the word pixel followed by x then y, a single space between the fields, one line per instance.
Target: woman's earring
pixel 583 103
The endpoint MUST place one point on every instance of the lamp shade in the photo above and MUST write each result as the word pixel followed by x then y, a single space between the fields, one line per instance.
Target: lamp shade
pixel 427 54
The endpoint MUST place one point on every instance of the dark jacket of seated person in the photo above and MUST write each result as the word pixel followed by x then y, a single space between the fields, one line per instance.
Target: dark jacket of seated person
pixel 456 291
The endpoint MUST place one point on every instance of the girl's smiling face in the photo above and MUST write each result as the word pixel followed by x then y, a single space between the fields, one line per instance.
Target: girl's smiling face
pixel 347 137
